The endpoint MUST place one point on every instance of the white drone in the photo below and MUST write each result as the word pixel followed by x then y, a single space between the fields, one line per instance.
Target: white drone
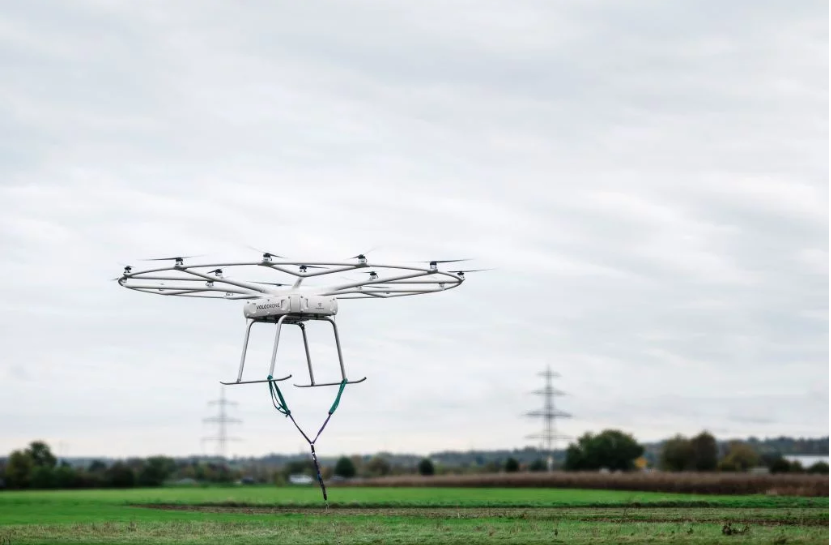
pixel 290 301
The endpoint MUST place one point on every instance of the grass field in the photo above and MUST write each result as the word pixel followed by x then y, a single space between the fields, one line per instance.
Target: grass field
pixel 249 515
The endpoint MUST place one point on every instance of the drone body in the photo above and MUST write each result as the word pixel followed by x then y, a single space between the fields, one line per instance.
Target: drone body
pixel 272 307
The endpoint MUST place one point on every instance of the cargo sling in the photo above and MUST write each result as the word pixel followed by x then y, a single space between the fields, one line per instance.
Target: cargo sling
pixel 280 404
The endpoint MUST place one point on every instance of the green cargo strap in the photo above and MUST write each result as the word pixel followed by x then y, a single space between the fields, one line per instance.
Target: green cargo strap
pixel 337 399
pixel 281 404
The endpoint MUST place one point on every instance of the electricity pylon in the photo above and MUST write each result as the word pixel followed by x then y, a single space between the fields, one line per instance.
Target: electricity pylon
pixel 549 415
pixel 222 420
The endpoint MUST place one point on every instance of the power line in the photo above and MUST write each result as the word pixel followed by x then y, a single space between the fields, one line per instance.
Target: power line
pixel 222 420
pixel 549 415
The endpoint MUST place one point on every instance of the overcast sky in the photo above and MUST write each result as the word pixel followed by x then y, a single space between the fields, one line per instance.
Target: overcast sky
pixel 650 179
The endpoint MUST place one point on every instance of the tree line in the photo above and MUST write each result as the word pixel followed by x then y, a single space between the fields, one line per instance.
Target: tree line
pixel 36 467
pixel 702 453
pixel 610 450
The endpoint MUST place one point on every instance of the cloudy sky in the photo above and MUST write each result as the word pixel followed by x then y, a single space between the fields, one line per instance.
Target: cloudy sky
pixel 649 178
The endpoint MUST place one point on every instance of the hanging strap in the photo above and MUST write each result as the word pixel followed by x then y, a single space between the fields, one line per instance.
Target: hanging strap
pixel 277 397
pixel 280 404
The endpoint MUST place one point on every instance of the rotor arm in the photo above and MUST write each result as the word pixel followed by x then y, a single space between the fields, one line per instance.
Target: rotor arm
pixel 221 280
pixel 368 282
pixel 383 292
pixel 160 288
pixel 342 267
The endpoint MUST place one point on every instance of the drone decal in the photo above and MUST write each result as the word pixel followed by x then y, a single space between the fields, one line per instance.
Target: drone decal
pixel 296 298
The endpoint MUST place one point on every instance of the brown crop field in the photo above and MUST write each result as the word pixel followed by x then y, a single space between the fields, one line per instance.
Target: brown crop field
pixel 687 483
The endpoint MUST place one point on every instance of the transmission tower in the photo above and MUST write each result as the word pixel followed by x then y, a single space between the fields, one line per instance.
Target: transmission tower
pixel 549 415
pixel 222 420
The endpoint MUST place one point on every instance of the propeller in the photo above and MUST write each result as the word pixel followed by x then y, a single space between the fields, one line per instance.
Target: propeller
pixel 175 258
pixel 461 274
pixel 362 256
pixel 469 270
pixel 266 255
pixel 304 267
pixel 217 272
pixel 436 261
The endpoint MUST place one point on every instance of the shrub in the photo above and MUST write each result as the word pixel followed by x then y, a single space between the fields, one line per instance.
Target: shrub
pixel 819 467
pixel 538 465
pixel 377 467
pixel 780 465
pixel 43 477
pixel 511 465
pixel 740 457
pixel 425 467
pixel 65 477
pixel 345 468
pixel 120 475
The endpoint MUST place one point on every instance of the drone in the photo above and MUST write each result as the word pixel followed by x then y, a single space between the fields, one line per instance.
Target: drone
pixel 297 298
pixel 300 296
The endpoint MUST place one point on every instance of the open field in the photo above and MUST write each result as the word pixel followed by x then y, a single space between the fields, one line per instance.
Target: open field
pixel 254 515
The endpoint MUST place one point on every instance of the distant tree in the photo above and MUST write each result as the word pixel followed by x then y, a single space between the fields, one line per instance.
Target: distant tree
pixel 41 454
pixel 97 466
pixel 295 467
pixel 796 467
pixel 42 477
pixel 677 454
pixel 740 457
pixel 511 465
pixel 819 467
pixel 65 477
pixel 610 449
pixel 771 458
pixel 491 467
pixel 19 469
pixel 155 470
pixel 345 468
pixel 378 467
pixel 120 475
pixel 704 452
pixel 780 465
pixel 538 465
pixel 425 467
pixel 358 463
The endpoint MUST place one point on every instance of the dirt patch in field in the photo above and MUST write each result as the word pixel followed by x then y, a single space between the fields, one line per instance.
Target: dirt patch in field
pixel 783 484
pixel 777 517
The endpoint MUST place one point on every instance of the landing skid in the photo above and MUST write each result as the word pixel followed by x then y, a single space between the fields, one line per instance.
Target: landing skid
pixel 255 381
pixel 298 321
pixel 315 385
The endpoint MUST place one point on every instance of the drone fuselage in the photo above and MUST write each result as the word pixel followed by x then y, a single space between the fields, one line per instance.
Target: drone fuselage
pixel 296 304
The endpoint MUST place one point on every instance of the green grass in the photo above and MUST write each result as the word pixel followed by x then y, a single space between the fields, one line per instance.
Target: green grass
pixel 402 515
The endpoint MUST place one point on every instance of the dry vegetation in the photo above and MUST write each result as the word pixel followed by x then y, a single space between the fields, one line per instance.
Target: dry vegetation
pixel 686 483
